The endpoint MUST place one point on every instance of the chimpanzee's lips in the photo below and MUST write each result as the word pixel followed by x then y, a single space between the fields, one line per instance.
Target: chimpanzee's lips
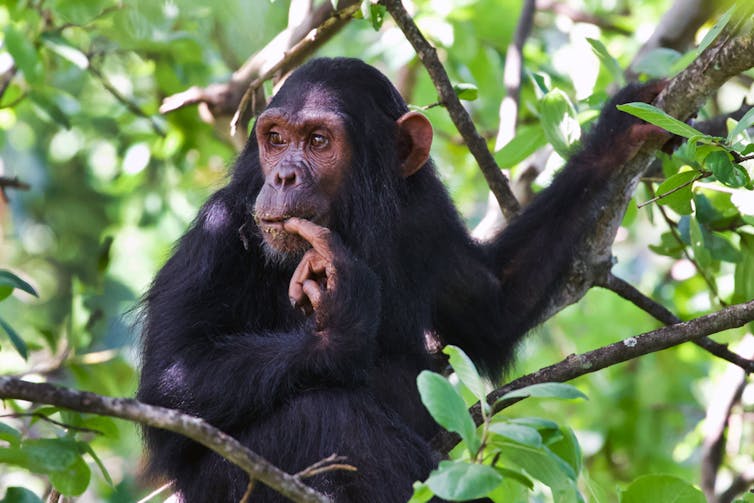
pixel 268 220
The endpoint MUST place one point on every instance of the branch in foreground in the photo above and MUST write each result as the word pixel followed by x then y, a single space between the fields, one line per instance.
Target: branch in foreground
pixel 7 182
pixel 575 366
pixel 223 99
pixel 159 417
pixel 325 30
pixel 496 180
pixel 661 313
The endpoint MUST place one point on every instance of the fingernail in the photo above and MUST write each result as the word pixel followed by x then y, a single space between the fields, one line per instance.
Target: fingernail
pixel 293 302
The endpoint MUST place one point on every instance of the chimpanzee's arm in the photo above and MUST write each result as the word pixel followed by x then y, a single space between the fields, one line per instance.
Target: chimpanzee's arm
pixel 222 344
pixel 530 257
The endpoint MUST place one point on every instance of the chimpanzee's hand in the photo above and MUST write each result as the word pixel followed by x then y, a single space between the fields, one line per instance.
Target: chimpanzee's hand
pixel 329 282
pixel 618 136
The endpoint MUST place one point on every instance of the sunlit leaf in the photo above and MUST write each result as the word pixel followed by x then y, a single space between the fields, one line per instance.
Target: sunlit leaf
pixel 460 480
pixel 466 91
pixel 9 279
pixel 559 122
pixel 676 191
pixel 20 495
pixel 546 390
pixel 23 52
pixel 447 407
pixel 608 61
pixel 66 50
pixel 658 488
pixel 466 371
pixel 715 31
pixel 744 123
pixel 725 170
pixel 518 433
pixel 655 116
pixel 528 140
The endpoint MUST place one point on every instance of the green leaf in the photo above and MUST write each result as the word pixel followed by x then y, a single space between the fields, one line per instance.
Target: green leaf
pixel 518 433
pixel 422 493
pixel 447 407
pixel 65 50
pixel 676 191
pixel 546 390
pixel 541 464
pixel 696 236
pixel 105 474
pixel 715 31
pixel 537 423
pixel 655 116
pixel 559 122
pixel 745 123
pixel 9 434
pixel 15 339
pixel 73 480
pixel 466 91
pixel 568 449
pixel 744 275
pixel 374 13
pixel 656 63
pixel 720 247
pixel 48 109
pixel 466 371
pixel 669 246
pixel 607 61
pixel 518 477
pixel 460 480
pixel 23 52
pixel 7 278
pixel 725 170
pixel 528 140
pixel 20 495
pixel 658 488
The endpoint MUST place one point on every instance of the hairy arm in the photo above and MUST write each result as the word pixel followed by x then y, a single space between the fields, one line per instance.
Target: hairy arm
pixel 525 264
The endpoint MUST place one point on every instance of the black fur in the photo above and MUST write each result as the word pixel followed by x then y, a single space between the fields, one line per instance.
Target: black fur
pixel 221 340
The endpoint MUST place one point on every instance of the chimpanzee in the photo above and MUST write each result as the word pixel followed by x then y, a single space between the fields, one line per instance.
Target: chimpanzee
pixel 293 313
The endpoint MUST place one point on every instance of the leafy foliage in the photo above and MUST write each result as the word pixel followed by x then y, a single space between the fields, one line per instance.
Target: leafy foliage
pixel 113 183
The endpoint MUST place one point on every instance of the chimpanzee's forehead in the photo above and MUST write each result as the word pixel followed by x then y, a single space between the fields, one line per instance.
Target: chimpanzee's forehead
pixel 294 97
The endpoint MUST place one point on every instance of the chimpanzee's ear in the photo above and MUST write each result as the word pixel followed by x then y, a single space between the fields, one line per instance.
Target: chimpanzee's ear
pixel 414 142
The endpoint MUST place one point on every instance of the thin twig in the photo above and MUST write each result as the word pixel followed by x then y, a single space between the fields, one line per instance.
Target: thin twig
pixel 125 101
pixel 574 366
pixel 247 494
pixel 508 114
pixel 224 98
pixel 52 421
pixel 156 492
pixel 674 189
pixel 13 183
pixel 495 178
pixel 6 79
pixel 331 463
pixel 674 231
pixel 662 314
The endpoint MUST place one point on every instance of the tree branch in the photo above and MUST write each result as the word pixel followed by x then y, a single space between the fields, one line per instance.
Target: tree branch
pixel 496 180
pixel 297 52
pixel 575 366
pixel 223 99
pixel 661 313
pixel 159 417
pixel 681 98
